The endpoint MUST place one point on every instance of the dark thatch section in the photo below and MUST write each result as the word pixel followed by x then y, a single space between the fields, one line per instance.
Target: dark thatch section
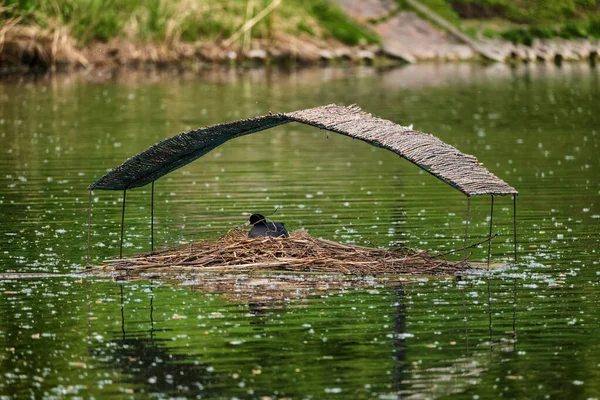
pixel 179 150
pixel 235 252
pixel 460 170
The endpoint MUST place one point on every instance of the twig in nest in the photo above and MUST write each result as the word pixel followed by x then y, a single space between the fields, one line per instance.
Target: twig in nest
pixel 234 251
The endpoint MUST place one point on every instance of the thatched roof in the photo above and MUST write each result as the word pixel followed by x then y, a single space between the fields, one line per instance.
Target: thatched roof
pixel 459 170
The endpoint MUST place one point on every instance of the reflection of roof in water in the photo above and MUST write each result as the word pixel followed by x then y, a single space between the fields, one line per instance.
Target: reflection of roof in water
pixel 462 171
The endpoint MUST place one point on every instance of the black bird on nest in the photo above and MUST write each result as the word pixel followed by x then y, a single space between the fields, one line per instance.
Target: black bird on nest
pixel 261 227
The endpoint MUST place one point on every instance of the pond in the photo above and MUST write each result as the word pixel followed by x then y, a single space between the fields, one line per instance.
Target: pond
pixel 524 331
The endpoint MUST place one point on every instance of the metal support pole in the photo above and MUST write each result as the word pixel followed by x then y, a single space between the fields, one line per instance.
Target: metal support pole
pixel 122 223
pixel 152 221
pixel 467 226
pixel 490 237
pixel 89 243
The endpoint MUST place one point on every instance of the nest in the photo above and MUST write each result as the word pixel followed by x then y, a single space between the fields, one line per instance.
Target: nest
pixel 300 253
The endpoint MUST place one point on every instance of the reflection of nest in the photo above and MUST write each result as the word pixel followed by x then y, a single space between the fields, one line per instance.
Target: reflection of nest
pixel 274 290
pixel 300 252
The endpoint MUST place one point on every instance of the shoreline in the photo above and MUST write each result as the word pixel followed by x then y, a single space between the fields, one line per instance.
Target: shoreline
pixel 381 33
pixel 32 55
pixel 425 74
pixel 183 57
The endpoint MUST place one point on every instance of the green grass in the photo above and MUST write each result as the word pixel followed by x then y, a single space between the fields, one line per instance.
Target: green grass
pixel 440 7
pixel 567 30
pixel 186 20
pixel 533 11
pixel 204 20
pixel 333 20
pixel 522 21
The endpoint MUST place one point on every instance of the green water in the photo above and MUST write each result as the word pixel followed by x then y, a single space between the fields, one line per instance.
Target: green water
pixel 524 332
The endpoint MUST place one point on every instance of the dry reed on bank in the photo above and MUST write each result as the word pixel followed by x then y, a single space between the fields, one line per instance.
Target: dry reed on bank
pixel 300 252
pixel 35 46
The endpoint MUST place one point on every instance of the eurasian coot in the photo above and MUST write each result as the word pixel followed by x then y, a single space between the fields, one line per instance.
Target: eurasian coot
pixel 261 227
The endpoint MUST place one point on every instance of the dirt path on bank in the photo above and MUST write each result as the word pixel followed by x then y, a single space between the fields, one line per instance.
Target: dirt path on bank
pixel 404 34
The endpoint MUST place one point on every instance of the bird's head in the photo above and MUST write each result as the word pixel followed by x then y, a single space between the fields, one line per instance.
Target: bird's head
pixel 256 218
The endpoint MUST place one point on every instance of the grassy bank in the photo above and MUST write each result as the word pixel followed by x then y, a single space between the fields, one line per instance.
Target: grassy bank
pixel 54 33
pixel 186 20
pixel 60 31
pixel 521 21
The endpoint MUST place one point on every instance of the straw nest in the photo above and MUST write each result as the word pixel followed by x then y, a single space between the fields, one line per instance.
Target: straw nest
pixel 300 252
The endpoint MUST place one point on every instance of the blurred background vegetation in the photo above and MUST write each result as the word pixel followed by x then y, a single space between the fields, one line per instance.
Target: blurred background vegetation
pixel 186 20
pixel 520 21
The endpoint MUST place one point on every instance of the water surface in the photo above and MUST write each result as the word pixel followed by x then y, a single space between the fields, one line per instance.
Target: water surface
pixel 528 331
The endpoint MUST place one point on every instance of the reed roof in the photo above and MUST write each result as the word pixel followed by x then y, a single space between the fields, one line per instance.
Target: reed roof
pixel 461 171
